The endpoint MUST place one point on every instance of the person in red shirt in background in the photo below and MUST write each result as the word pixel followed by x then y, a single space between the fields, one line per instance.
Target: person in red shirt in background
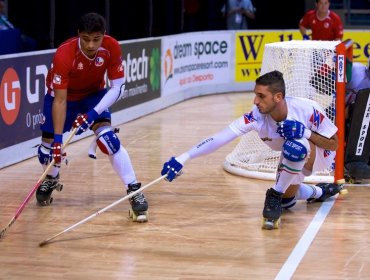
pixel 77 98
pixel 324 24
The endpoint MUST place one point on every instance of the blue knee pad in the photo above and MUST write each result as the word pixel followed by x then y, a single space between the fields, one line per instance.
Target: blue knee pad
pixel 108 142
pixel 43 154
pixel 294 150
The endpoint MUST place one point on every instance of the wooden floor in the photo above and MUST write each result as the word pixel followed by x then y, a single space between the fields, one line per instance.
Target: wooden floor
pixel 204 225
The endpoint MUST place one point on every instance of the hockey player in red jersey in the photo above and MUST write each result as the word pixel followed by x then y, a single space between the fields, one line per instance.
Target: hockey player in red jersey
pixel 77 98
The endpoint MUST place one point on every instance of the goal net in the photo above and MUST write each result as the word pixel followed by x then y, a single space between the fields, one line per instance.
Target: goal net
pixel 309 69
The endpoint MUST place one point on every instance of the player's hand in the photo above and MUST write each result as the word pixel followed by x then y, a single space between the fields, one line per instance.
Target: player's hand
pixel 306 37
pixel 56 149
pixel 84 121
pixel 172 168
pixel 291 129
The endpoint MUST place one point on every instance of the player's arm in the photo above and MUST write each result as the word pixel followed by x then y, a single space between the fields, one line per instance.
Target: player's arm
pixel 323 142
pixel 303 29
pixel 83 122
pixel 59 110
pixel 173 167
pixel 116 90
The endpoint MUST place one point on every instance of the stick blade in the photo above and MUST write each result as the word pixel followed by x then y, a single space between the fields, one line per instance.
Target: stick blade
pixel 43 243
pixel 2 233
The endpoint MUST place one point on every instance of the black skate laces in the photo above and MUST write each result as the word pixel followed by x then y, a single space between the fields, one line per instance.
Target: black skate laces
pixel 49 183
pixel 273 201
pixel 139 198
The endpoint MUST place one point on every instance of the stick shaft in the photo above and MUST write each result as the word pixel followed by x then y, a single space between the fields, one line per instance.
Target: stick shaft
pixel 103 210
pixel 30 194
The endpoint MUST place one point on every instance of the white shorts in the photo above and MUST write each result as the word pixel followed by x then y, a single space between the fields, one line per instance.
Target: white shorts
pixel 324 159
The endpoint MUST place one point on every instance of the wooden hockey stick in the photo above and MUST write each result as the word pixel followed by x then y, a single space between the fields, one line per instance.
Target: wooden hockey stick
pixel 102 210
pixel 38 183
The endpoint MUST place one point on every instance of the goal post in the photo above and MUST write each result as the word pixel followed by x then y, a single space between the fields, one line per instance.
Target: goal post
pixel 312 69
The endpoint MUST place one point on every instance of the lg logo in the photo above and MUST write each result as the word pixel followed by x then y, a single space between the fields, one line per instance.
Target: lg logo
pixel 10 96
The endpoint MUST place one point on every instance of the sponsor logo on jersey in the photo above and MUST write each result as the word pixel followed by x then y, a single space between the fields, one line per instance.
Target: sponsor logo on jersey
pixel 99 61
pixel 248 118
pixel 316 118
pixel 57 79
pixel 80 66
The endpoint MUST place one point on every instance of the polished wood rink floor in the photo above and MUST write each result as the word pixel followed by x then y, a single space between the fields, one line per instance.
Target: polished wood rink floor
pixel 204 225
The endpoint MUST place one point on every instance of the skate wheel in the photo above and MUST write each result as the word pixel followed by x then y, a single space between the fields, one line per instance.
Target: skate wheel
pixel 141 218
pixel 343 192
pixel 59 188
pixel 45 202
pixel 340 181
pixel 270 224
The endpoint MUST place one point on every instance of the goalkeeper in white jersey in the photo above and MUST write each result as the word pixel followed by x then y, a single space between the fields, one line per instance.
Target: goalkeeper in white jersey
pixel 297 127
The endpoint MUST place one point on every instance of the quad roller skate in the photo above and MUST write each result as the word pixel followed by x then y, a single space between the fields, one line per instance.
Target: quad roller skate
pixel 329 190
pixel 272 210
pixel 45 190
pixel 139 205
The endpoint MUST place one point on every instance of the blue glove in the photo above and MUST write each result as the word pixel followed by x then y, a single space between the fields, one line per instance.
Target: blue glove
pixel 84 121
pixel 306 37
pixel 291 129
pixel 172 168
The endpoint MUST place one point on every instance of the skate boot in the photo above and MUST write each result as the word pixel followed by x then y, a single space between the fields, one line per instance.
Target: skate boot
pixel 139 205
pixel 328 190
pixel 272 210
pixel 44 191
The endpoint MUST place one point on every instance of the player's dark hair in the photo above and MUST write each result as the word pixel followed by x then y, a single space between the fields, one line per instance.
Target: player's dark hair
pixel 92 22
pixel 274 80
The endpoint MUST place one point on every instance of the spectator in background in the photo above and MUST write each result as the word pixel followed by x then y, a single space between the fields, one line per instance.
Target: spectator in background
pixel 27 43
pixel 191 15
pixel 324 24
pixel 4 22
pixel 237 12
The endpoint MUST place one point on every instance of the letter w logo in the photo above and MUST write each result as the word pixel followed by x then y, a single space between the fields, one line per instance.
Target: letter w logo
pixel 251 45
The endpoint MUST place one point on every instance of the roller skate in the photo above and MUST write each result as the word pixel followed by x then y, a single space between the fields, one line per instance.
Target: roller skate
pixel 272 210
pixel 328 190
pixel 45 190
pixel 139 205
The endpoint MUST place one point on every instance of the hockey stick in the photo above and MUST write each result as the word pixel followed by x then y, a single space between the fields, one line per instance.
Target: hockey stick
pixel 102 210
pixel 24 203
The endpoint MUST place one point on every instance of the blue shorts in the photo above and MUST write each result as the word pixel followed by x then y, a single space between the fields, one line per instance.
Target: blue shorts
pixel 73 109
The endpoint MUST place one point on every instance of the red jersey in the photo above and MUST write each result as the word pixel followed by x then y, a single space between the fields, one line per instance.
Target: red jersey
pixel 80 75
pixel 328 29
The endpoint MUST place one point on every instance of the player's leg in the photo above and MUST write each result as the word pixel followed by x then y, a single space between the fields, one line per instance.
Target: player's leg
pixel 358 143
pixel 293 159
pixel 109 144
pixel 51 181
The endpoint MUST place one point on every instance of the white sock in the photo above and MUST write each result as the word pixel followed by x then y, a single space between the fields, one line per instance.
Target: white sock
pixel 308 191
pixel 54 170
pixel 287 173
pixel 122 165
